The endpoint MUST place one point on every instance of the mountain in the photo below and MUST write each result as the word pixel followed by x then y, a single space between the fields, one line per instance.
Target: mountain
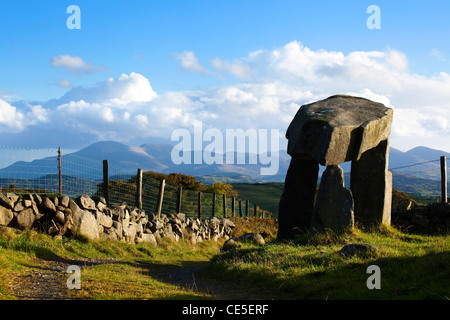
pixel 407 167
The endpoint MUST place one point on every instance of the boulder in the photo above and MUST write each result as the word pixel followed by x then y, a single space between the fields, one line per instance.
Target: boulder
pixel 64 201
pixel 84 222
pixel 25 218
pixel 47 205
pixel 353 249
pixel 85 202
pixel 338 129
pixel 334 204
pixel 149 238
pixel 6 215
pixel 6 202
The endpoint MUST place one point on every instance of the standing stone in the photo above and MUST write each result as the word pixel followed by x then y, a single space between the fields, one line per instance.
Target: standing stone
pixel 371 185
pixel 334 204
pixel 297 201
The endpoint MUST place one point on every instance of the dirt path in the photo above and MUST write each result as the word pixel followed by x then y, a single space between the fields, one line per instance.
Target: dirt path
pixel 48 281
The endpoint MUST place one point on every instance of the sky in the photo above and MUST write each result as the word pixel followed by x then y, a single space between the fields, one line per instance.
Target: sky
pixel 137 70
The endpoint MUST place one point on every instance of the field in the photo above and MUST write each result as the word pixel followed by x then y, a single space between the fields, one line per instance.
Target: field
pixel 33 266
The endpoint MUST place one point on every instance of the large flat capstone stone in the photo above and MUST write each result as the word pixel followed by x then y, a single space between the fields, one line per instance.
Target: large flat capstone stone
pixel 338 129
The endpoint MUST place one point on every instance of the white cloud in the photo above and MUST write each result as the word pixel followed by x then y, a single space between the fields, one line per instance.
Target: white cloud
pixel 277 82
pixel 65 83
pixel 74 64
pixel 189 61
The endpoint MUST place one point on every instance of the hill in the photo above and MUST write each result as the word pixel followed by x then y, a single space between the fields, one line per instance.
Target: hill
pixel 415 171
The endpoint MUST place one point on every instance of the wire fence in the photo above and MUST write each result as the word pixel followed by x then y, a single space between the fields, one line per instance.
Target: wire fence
pixel 46 171
pixel 52 172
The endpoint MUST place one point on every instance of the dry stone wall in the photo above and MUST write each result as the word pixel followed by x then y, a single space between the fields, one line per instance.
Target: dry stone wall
pixel 92 218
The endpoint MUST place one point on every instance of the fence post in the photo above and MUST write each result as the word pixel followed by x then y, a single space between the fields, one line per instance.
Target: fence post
pixel 180 195
pixel 246 208
pixel 59 169
pixel 255 210
pixel 444 179
pixel 139 189
pixel 214 204
pixel 224 205
pixel 233 206
pixel 199 204
pixel 105 181
pixel 160 197
pixel 240 208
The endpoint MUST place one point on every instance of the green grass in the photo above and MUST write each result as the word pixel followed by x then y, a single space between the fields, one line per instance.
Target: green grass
pixel 127 278
pixel 412 266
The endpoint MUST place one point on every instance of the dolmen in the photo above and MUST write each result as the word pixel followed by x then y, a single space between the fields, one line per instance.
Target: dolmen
pixel 329 132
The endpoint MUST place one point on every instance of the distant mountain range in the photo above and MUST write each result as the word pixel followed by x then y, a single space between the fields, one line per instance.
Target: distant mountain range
pixel 87 164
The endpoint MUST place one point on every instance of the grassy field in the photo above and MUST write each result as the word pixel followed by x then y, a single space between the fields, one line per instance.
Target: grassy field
pixel 412 266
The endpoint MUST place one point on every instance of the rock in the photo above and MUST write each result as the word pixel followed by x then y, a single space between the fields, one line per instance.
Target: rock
pixel 25 219
pixel 233 242
pixel 371 185
pixel 85 202
pixel 420 220
pixel 6 215
pixel 338 129
pixel 64 201
pixel 19 206
pixel 104 220
pixel 149 238
pixel 440 209
pixel 37 199
pixel 12 196
pixel 47 205
pixel 227 223
pixel 352 249
pixel 6 202
pixel 84 222
pixel 60 217
pixel 334 204
pixel 297 200
pixel 255 238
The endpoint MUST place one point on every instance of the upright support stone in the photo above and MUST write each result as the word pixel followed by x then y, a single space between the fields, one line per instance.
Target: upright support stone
pixel 371 185
pixel 297 201
pixel 334 203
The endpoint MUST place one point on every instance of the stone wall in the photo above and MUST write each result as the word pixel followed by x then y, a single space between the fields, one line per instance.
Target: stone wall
pixel 432 217
pixel 92 218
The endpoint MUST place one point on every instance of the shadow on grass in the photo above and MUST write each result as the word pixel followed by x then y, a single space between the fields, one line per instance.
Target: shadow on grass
pixel 329 276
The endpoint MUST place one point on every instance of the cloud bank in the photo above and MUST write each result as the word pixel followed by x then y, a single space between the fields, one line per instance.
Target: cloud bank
pixel 270 87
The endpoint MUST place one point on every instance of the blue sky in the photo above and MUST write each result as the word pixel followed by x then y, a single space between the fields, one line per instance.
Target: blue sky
pixel 174 62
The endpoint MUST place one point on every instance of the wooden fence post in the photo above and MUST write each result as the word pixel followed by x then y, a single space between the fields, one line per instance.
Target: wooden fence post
pixel 199 204
pixel 444 196
pixel 105 181
pixel 224 205
pixel 180 195
pixel 214 204
pixel 246 208
pixel 240 208
pixel 233 206
pixel 160 197
pixel 255 210
pixel 139 189
pixel 59 170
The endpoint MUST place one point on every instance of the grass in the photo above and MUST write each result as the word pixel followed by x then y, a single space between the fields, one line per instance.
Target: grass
pixel 412 266
pixel 128 277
